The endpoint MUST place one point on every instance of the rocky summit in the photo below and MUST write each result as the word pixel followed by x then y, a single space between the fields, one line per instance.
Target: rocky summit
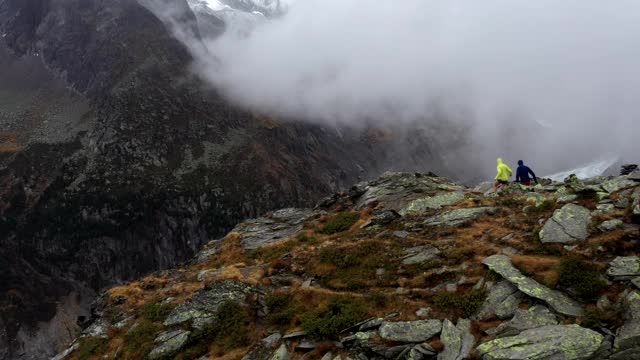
pixel 408 266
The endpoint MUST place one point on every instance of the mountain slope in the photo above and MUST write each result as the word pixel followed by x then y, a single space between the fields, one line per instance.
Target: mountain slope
pixel 408 266
pixel 116 161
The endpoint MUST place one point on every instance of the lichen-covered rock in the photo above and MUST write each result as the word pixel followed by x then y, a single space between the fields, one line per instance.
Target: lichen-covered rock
pixel 618 183
pixel 170 342
pixel 535 317
pixel 502 302
pixel 202 307
pixel 610 225
pixel 421 352
pixel 554 342
pixel 568 224
pixel 384 217
pixel 410 331
pixel 281 354
pixel 433 202
pixel 634 175
pixel 420 254
pixel 457 216
pixel 624 267
pixel 263 349
pixel 458 340
pixel 557 300
pixel 280 225
pixel 396 190
pixel 564 199
pixel 603 209
pixel 628 336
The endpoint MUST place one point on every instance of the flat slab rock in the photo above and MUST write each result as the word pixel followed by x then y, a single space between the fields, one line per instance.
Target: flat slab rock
pixel 420 254
pixel 501 302
pixel 566 342
pixel 458 340
pixel 457 216
pixel 410 331
pixel 567 225
pixel 280 225
pixel 535 317
pixel 624 267
pixel 628 336
pixel 433 202
pixel 169 343
pixel 557 300
pixel 202 307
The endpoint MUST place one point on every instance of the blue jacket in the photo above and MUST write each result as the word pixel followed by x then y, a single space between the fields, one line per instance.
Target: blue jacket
pixel 522 174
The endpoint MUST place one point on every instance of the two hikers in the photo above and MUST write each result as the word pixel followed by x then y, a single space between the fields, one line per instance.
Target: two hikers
pixel 522 174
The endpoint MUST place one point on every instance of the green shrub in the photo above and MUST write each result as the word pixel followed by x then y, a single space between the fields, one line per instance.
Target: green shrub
pixel 340 313
pixel 339 257
pixel 228 330
pixel 271 253
pixel 304 238
pixel 139 340
pixel 91 346
pixel 466 304
pixel 156 310
pixel 377 298
pixel 341 222
pixel 581 278
pixel 281 310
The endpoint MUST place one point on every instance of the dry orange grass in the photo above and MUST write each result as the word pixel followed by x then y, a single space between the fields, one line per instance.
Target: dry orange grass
pixel 542 268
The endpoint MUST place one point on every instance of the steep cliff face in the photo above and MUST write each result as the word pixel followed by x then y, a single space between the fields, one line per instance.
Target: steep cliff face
pixel 115 160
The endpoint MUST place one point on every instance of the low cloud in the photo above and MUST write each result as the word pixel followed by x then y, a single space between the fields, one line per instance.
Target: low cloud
pixel 553 81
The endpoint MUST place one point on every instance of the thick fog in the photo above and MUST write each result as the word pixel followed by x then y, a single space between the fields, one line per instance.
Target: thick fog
pixel 554 82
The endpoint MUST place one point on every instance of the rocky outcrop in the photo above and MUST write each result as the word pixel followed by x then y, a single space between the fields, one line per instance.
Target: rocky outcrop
pixel 201 308
pixel 420 254
pixel 557 300
pixel 547 342
pixel 568 224
pixel 279 225
pixel 433 202
pixel 628 336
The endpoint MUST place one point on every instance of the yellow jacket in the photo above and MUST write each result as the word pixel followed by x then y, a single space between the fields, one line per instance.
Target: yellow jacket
pixel 504 171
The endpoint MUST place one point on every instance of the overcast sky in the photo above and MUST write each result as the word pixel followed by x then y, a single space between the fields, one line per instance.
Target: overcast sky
pixel 571 66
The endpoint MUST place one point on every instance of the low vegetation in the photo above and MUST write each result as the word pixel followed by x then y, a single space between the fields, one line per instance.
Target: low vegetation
pixel 463 304
pixel 340 313
pixel 340 222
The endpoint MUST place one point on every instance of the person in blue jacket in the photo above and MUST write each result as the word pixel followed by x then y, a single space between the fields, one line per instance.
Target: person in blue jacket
pixel 522 174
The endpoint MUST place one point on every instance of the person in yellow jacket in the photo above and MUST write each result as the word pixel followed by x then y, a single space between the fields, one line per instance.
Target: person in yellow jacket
pixel 504 172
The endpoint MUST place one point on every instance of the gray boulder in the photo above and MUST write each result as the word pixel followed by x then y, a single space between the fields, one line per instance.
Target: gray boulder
pixel 384 217
pixel 170 342
pixel 410 331
pixel 610 225
pixel 624 267
pixel 457 216
pixel 618 183
pixel 557 300
pixel 634 175
pixel 628 336
pixel 395 190
pixel 603 209
pixel 502 302
pixel 554 342
pixel 281 354
pixel 433 202
pixel 203 306
pixel 567 225
pixel 280 225
pixel 458 340
pixel 263 350
pixel 535 317
pixel 420 254
pixel 421 352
